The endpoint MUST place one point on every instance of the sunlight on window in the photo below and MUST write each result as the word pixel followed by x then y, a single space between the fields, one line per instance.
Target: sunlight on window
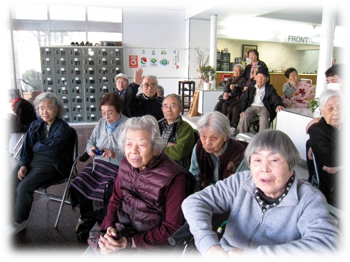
pixel 73 13
pixel 103 14
pixel 96 37
pixel 30 11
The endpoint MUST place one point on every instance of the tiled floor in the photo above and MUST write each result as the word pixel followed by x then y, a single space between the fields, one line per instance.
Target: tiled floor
pixel 41 236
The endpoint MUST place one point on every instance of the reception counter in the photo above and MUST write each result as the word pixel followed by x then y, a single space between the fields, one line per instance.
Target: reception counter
pixel 208 99
pixel 276 79
pixel 293 122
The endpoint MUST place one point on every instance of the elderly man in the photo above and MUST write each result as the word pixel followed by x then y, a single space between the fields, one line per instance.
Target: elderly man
pixel 177 134
pixel 148 103
pixel 260 100
pixel 126 91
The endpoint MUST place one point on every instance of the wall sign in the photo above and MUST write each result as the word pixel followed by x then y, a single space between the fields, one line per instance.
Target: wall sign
pixel 298 39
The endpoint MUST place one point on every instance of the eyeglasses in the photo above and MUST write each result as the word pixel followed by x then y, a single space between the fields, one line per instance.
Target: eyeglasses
pixel 107 113
pixel 171 106
pixel 122 82
pixel 149 85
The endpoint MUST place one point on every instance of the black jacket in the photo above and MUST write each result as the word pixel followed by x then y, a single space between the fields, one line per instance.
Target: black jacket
pixel 324 141
pixel 271 99
pixel 142 105
pixel 128 96
pixel 246 72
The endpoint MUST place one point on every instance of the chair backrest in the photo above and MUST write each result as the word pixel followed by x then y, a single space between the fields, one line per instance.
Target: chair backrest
pixel 225 77
pixel 72 147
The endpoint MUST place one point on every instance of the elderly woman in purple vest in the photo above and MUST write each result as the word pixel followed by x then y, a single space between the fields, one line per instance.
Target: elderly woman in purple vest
pixel 216 155
pixel 145 208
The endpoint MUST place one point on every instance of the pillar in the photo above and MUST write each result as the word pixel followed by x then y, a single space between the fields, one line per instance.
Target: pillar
pixel 326 46
pixel 213 40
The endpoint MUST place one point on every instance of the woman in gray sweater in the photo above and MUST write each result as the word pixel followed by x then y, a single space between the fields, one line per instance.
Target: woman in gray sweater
pixel 272 212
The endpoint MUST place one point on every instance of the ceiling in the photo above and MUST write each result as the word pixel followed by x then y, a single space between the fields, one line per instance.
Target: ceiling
pixel 296 10
pixel 306 12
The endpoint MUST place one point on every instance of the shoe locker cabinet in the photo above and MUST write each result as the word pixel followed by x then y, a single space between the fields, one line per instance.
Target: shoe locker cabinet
pixel 80 76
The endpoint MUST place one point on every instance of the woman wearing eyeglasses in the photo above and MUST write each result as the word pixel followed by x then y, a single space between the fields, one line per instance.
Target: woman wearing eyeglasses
pixel 93 180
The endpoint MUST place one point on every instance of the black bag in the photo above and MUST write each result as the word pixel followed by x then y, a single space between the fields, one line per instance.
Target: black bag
pixel 84 230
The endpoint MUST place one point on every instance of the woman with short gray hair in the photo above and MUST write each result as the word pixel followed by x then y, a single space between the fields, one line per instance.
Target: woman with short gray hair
pixel 55 100
pixel 324 141
pixel 216 155
pixel 271 211
pixel 45 156
pixel 232 90
pixel 147 194
pixel 146 123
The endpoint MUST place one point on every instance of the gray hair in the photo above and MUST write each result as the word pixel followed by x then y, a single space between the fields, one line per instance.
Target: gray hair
pixel 14 93
pixel 153 77
pixel 275 141
pixel 240 67
pixel 147 123
pixel 178 98
pixel 216 120
pixel 326 95
pixel 161 90
pixel 56 101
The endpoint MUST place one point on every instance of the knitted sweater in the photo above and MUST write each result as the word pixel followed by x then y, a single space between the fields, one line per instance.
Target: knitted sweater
pixel 300 224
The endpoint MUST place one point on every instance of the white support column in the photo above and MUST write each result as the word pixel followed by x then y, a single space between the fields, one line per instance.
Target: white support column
pixel 213 40
pixel 326 46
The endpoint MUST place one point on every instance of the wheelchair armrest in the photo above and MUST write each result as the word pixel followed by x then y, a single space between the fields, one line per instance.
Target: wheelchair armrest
pixel 182 236
pixel 84 157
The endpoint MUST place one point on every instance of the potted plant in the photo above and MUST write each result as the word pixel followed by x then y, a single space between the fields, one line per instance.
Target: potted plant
pixel 313 104
pixel 208 73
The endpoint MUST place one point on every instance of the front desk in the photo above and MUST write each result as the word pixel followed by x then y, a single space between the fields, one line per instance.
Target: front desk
pixel 293 122
pixel 208 99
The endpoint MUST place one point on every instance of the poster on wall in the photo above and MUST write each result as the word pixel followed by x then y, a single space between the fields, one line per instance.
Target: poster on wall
pixel 162 62
pixel 133 61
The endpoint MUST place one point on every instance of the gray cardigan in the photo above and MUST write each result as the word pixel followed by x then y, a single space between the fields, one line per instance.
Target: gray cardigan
pixel 100 138
pixel 299 224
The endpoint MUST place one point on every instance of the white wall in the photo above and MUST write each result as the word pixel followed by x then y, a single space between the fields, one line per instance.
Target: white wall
pixel 152 28
pixel 199 36
pixel 280 55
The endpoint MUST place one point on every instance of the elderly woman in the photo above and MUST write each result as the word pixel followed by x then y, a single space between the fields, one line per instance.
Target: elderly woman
pixel 216 155
pixel 324 142
pixel 43 157
pixel 232 90
pixel 23 115
pixel 93 180
pixel 148 192
pixel 272 212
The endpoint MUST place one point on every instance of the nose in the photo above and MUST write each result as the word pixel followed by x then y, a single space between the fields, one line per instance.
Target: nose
pixel 265 166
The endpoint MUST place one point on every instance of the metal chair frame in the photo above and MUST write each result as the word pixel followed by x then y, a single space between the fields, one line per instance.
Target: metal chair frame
pixel 73 173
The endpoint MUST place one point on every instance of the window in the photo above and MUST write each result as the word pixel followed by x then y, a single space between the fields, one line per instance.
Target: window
pixel 28 66
pixel 104 14
pixel 65 38
pixel 72 13
pixel 96 37
pixel 30 11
